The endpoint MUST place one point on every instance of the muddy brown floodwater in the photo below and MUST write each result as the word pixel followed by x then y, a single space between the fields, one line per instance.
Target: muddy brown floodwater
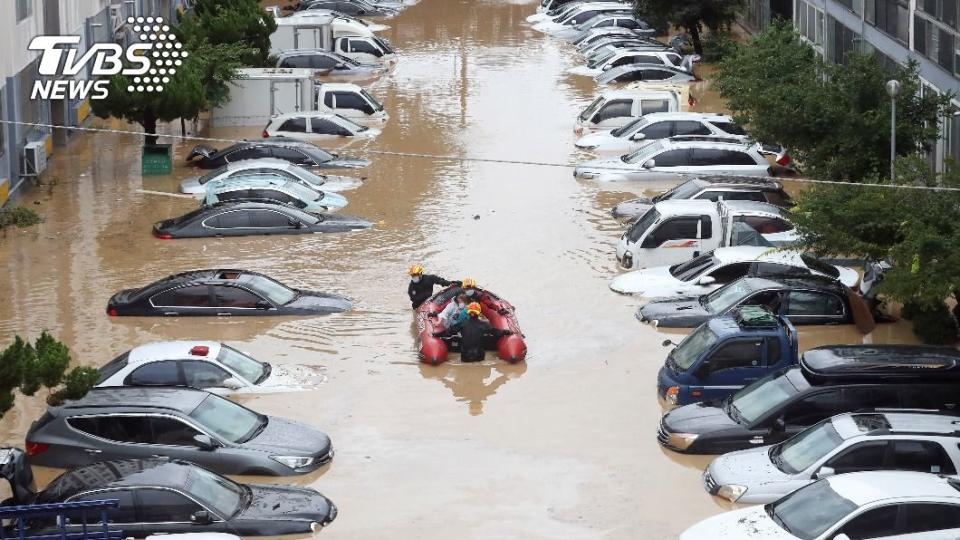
pixel 561 447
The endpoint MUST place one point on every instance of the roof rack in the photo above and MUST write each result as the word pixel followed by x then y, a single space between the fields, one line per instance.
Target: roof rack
pixel 881 363
pixel 755 317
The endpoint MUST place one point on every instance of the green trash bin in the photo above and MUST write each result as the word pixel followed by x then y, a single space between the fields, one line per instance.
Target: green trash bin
pixel 157 159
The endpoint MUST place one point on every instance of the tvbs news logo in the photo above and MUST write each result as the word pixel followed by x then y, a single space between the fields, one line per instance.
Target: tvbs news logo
pixel 151 62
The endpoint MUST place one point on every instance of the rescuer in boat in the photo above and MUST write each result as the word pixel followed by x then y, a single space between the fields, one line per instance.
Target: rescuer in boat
pixel 474 334
pixel 421 285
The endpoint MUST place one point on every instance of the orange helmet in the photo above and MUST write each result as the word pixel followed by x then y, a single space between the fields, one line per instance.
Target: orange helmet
pixel 473 309
pixel 469 283
pixel 416 270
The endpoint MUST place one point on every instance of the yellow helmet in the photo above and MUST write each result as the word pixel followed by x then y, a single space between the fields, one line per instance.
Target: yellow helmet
pixel 469 283
pixel 473 309
pixel 416 270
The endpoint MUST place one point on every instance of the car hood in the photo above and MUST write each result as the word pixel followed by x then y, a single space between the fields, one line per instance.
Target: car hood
pixel 272 502
pixel 341 162
pixel 332 200
pixel 698 418
pixel 632 208
pixel 746 523
pixel 684 311
pixel 320 301
pixel 751 467
pixel 283 437
pixel 603 165
pixel 656 281
pixel 593 140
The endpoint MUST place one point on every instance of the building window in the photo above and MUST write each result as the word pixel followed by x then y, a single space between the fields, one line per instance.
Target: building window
pixel 955 138
pixel 946 50
pixel 844 42
pixel 920 35
pixel 24 9
pixel 891 16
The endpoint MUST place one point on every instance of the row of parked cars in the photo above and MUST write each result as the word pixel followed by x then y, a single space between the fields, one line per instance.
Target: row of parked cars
pixel 841 442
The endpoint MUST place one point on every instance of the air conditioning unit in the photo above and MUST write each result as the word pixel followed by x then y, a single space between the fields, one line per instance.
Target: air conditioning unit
pixel 34 158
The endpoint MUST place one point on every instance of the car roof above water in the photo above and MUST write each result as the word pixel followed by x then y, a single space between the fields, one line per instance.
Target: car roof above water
pixel 180 399
pixel 869 363
pixel 163 350
pixel 119 473
pixel 863 488
pixel 897 422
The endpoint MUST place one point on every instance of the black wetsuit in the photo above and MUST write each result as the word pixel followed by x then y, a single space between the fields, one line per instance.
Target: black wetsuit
pixel 420 291
pixel 473 338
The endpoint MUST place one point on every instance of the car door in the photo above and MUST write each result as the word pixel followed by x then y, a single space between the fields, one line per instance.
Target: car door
pixel 873 523
pixel 807 410
pixel 292 155
pixel 730 367
pixel 188 300
pixel 205 375
pixel 929 521
pixel 921 456
pixel 246 152
pixel 671 241
pixel 351 105
pixel 295 127
pixel 669 165
pixel 724 274
pixel 231 300
pixel 653 131
pixel 862 456
pixel 171 437
pixel 689 127
pixel 105 437
pixel 160 373
pixel 167 511
pixel 361 50
pixel 814 307
pixel 123 517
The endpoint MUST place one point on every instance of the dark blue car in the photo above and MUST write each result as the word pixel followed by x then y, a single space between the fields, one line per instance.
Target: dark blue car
pixel 725 354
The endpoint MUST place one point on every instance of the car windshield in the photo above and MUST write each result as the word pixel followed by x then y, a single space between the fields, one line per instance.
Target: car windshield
pixel 753 401
pixel 277 293
pixel 596 61
pixel 692 346
pixel 221 494
pixel 351 125
pixel 318 154
pixel 635 232
pixel 817 265
pixel 212 174
pixel 227 419
pixel 246 367
pixel 383 44
pixel 592 108
pixel 809 511
pixel 727 296
pixel 685 190
pixel 646 152
pixel 690 270
pixel 806 448
pixel 631 126
pixel 376 104
pixel 303 192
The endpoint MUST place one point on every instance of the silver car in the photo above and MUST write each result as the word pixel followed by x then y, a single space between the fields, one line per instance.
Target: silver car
pixel 196 185
pixel 852 442
pixel 644 73
pixel 178 423
pixel 328 63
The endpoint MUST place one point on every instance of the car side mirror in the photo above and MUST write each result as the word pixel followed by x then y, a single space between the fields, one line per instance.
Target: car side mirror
pixel 706 280
pixel 650 163
pixel 340 65
pixel 824 472
pixel 232 383
pixel 779 425
pixel 263 304
pixel 667 343
pixel 204 442
pixel 201 517
pixel 639 136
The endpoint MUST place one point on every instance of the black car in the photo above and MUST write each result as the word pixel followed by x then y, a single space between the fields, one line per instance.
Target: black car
pixel 170 496
pixel 712 188
pixel 222 292
pixel 802 299
pixel 247 218
pixel 353 8
pixel 295 151
pixel 829 381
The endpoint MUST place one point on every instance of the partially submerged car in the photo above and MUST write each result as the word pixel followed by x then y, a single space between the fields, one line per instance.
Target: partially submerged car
pixel 711 188
pixel 713 269
pixel 222 292
pixel 350 101
pixel 633 55
pixel 160 496
pixel 677 158
pixel 275 190
pixel 353 8
pixel 644 73
pixel 578 32
pixel 802 299
pixel 656 126
pixel 272 167
pixel 618 108
pixel 316 125
pixel 253 217
pixel 294 151
pixel 117 422
pixel 581 14
pixel 326 63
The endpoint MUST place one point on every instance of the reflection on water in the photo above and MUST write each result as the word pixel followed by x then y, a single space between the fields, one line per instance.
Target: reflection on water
pixel 472 382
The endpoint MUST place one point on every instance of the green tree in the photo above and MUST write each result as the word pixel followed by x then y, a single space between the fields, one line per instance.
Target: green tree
pixel 230 22
pixel 691 15
pixel 834 119
pixel 28 367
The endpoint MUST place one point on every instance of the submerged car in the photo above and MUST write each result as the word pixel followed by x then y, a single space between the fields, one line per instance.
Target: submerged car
pixel 644 73
pixel 207 365
pixel 672 159
pixel 222 292
pixel 897 505
pixel 179 423
pixel 850 442
pixel 632 55
pixel 657 126
pixel 711 188
pixel 802 299
pixel 251 218
pixel 713 269
pixel 354 8
pixel 313 125
pixel 275 190
pixel 294 151
pixel 159 496
pixel 281 169
pixel 328 63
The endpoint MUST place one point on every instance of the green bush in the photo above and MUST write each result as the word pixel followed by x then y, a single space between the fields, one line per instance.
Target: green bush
pixel 719 45
pixel 934 325
pixel 21 216
pixel 28 367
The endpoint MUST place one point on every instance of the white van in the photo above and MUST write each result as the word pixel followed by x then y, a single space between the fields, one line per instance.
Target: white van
pixel 350 101
pixel 672 232
pixel 620 107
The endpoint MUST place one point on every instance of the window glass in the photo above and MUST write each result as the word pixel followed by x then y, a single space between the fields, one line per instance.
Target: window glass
pixel 673 158
pixel 125 429
pixel 155 374
pixel 809 511
pixel 328 99
pixel 922 456
pixel 689 350
pixel 233 219
pixel 269 219
pixel 655 74
pixel 737 354
pixel 268 195
pixel 773 351
pixel 172 432
pixel 296 125
pixel 812 408
pixel 690 128
pixel 123 513
pixel 730 272
pixel 706 157
pixel 615 109
pixel 742 196
pixel 233 194
pixel 165 506
pixel 227 419
pixel 190 296
pixel 203 374
pixel 640 226
pixel 627 23
pixel 765 225
pixel 654 105
pixel 735 157
pixel 246 367
pixel 112 367
pixel 729 127
pixel 875 523
pixel 320 61
pixel 657 130
pixel 674 229
pixel 923 517
pixel 692 268
pixel 928 397
pixel 866 456
pixel 798 453
pixel 234 297
pixel 806 303
pixel 249 152
pixel 870 397
pixel 301 61
pixel 291 155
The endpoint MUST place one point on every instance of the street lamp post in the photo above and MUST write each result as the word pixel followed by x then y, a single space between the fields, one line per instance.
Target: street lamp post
pixel 893 88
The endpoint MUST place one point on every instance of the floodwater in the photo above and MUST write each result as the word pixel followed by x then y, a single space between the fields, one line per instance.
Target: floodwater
pixel 560 447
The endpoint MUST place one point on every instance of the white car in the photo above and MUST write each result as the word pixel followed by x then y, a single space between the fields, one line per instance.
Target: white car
pixel 850 442
pixel 196 185
pixel 207 365
pixel 661 126
pixel 618 108
pixel 644 73
pixel 350 101
pixel 617 19
pixel 580 14
pixel 894 505
pixel 674 159
pixel 316 125
pixel 625 56
pixel 716 268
